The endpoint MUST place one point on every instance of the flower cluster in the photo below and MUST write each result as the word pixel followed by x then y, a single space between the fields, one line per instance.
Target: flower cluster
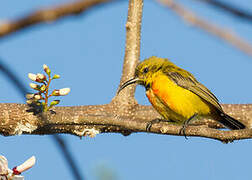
pixel 40 98
pixel 6 173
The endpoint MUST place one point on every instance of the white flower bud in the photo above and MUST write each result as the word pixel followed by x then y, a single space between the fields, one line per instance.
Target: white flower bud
pixel 29 96
pixel 41 76
pixel 32 76
pixel 46 69
pixel 64 91
pixel 38 96
pixel 3 165
pixel 33 85
pixel 26 165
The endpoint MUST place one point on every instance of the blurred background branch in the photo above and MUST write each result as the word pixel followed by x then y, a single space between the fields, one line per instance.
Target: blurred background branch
pixel 48 15
pixel 220 32
pixel 229 8
pixel 80 6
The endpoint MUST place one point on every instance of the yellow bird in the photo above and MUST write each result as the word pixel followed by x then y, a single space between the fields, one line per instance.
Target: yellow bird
pixel 177 95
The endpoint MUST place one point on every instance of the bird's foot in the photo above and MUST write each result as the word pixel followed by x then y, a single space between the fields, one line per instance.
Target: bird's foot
pixel 182 131
pixel 149 124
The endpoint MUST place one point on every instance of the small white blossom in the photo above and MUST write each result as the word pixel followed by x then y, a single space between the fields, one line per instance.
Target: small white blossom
pixel 26 165
pixel 41 76
pixel 32 76
pixel 38 96
pixel 64 91
pixel 29 96
pixel 33 85
pixel 3 165
pixel 46 69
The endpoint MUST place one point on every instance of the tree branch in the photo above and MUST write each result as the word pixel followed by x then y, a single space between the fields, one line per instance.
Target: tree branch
pixel 132 51
pixel 89 120
pixel 224 34
pixel 47 15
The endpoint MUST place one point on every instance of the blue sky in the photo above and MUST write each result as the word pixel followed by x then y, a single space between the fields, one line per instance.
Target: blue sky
pixel 88 50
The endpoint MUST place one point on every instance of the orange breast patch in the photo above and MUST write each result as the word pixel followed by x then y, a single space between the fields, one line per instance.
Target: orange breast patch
pixel 161 88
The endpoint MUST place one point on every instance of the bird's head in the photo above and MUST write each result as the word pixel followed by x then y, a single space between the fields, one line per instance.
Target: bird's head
pixel 146 70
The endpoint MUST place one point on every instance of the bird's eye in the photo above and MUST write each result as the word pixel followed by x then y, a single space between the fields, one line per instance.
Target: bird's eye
pixel 145 70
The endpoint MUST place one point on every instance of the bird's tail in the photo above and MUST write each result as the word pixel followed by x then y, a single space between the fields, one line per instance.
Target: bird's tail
pixel 230 122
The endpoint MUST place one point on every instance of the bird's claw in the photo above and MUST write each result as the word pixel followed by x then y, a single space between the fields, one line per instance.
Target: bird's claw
pixel 149 124
pixel 182 131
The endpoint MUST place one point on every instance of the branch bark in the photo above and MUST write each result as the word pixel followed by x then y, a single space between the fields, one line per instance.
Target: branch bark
pixel 217 31
pixel 132 51
pixel 89 120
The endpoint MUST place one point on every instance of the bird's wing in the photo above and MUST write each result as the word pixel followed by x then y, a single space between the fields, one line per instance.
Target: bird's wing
pixel 187 81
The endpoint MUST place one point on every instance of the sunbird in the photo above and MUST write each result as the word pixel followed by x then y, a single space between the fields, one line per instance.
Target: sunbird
pixel 176 95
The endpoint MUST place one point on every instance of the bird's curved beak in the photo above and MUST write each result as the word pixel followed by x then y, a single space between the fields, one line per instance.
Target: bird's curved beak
pixel 131 81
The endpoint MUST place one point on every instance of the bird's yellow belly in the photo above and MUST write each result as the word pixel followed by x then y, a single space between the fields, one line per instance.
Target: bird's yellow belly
pixel 174 102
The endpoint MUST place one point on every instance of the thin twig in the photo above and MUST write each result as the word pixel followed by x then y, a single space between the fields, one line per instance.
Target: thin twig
pixel 47 15
pixel 224 34
pixel 68 156
pixel 13 78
